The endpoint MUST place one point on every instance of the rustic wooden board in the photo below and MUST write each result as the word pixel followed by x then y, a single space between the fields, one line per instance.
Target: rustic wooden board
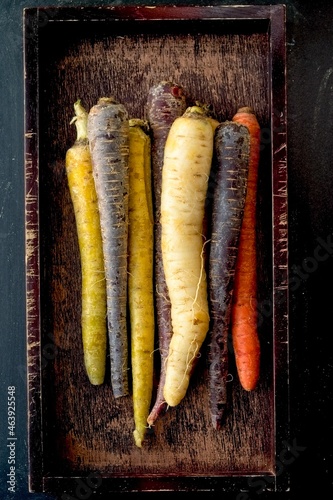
pixel 228 57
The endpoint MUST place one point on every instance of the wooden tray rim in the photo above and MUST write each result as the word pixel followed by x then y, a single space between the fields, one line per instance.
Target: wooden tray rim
pixel 275 15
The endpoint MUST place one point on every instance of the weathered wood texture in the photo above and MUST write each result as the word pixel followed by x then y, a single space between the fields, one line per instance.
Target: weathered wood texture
pixel 84 428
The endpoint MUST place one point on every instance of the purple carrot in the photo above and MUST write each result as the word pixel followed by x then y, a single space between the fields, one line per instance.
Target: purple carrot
pixel 166 102
pixel 108 134
pixel 229 176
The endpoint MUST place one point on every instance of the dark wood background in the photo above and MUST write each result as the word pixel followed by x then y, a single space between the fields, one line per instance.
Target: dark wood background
pixel 310 168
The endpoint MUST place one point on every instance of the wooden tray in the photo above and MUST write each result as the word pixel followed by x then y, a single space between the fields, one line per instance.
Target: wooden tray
pixel 78 434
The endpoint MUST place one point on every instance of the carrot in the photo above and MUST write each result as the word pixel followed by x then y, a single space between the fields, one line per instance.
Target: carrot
pixel 108 133
pixel 244 312
pixel 140 274
pixel 186 169
pixel 84 199
pixel 232 147
pixel 166 102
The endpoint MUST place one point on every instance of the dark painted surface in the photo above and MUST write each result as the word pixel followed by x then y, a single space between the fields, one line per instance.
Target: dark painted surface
pixel 310 167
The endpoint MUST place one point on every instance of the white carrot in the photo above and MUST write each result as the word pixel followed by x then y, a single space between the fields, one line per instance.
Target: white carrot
pixel 187 163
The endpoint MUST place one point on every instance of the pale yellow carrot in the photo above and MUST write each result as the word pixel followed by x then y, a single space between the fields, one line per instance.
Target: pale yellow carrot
pixel 187 164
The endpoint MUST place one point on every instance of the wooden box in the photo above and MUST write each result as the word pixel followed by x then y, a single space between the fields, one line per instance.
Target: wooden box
pixel 79 435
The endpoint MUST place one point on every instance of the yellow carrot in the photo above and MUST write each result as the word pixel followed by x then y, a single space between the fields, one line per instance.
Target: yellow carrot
pixel 140 278
pixel 83 195
pixel 187 163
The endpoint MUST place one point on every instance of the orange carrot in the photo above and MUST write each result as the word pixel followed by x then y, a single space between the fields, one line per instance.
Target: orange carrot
pixel 244 313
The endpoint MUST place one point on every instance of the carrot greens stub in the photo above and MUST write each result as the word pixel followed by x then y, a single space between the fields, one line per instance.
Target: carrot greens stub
pixel 108 133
